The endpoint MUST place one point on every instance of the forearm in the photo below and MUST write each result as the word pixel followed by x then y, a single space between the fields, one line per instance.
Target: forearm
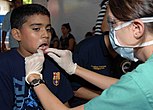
pixel 47 99
pixel 71 44
pixel 85 93
pixel 98 80
pixel 50 101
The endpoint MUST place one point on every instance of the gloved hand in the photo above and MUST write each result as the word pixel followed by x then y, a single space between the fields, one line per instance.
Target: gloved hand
pixel 63 58
pixel 34 64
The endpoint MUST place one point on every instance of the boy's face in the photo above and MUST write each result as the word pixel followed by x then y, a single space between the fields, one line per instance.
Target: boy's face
pixel 34 34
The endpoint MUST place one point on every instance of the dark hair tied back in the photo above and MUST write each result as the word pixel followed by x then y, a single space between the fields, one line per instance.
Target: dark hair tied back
pixel 67 25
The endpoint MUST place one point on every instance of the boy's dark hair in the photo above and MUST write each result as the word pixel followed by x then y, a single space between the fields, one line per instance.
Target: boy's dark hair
pixel 19 15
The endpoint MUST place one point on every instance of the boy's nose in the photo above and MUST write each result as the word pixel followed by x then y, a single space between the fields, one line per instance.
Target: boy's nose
pixel 45 34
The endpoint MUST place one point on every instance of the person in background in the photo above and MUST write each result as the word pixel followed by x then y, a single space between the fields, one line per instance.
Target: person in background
pixel 67 40
pixel 54 43
pixel 88 35
pixel 6 27
pixel 131 36
pixel 96 54
pixel 31 27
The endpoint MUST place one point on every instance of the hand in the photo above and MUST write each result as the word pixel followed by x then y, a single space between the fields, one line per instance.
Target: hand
pixel 63 58
pixel 34 64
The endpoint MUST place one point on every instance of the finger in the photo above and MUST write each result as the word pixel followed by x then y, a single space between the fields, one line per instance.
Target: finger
pixel 40 51
pixel 27 58
pixel 37 55
pixel 54 56
pixel 55 51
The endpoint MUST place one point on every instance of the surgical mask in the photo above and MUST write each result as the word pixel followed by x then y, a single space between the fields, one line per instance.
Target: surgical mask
pixel 127 51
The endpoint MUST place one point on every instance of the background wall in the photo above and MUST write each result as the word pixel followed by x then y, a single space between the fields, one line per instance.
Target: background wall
pixel 81 14
pixel 42 2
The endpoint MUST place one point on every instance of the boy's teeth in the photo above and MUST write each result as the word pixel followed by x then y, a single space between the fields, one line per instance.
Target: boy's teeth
pixel 43 47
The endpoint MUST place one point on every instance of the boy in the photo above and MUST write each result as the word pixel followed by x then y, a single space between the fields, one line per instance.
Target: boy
pixel 30 26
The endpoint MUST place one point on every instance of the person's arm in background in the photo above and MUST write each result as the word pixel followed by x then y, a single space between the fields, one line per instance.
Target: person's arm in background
pixel 100 18
pixel 4 33
pixel 5 28
pixel 104 25
pixel 71 44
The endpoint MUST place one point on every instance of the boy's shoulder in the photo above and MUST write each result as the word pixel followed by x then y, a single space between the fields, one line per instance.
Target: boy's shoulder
pixel 9 55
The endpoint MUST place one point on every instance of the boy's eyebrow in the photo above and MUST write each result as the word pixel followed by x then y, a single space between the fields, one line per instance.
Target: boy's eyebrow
pixel 38 24
pixel 48 25
pixel 35 24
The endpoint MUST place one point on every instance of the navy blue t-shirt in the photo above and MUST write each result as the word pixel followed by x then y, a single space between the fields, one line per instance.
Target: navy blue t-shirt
pixel 92 54
pixel 15 94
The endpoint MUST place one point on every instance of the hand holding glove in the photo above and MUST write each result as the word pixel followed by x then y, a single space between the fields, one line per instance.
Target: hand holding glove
pixel 63 58
pixel 34 64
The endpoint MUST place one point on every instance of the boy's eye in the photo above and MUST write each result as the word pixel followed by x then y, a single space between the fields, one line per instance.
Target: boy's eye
pixel 36 29
pixel 48 30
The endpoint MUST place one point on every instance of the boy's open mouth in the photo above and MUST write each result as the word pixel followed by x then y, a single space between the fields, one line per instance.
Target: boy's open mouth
pixel 43 46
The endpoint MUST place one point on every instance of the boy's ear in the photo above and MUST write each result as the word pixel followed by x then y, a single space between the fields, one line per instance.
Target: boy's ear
pixel 16 34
